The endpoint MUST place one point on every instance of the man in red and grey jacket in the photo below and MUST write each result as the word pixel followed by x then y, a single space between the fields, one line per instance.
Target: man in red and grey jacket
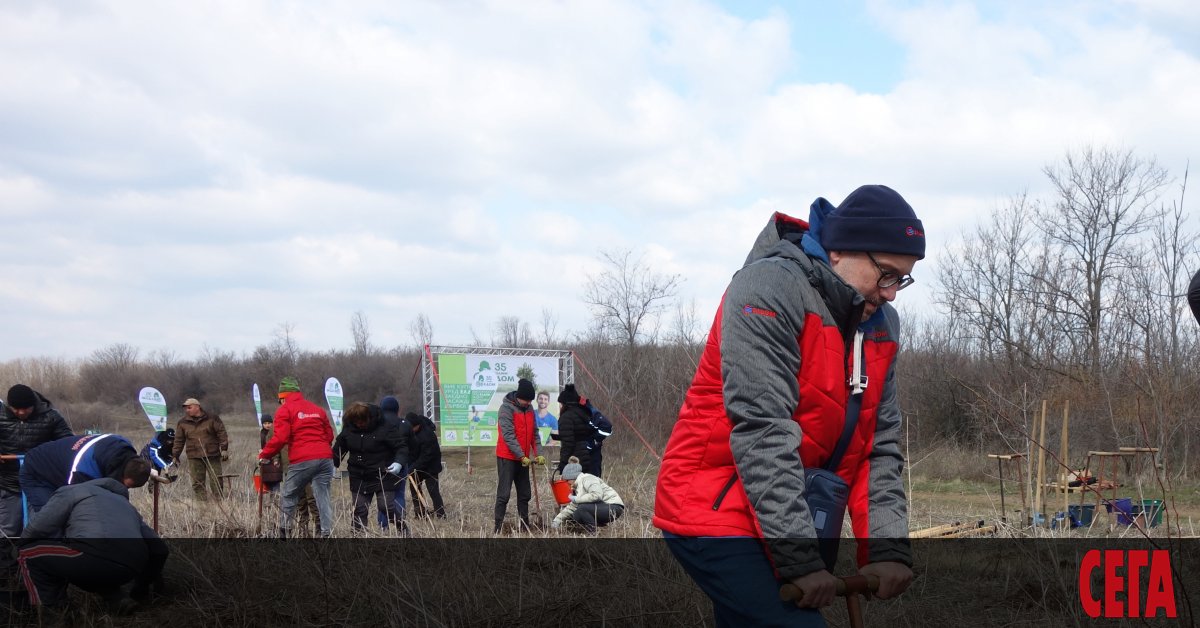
pixel 804 332
pixel 304 428
pixel 516 449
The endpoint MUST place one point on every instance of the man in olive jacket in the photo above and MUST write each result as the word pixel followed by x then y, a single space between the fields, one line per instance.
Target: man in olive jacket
pixel 202 436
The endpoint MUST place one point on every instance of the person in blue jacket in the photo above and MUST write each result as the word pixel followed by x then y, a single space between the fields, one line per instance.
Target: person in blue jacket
pixel 158 452
pixel 78 459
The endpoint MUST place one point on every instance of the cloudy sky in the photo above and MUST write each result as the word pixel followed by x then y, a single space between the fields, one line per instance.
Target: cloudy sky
pixel 182 174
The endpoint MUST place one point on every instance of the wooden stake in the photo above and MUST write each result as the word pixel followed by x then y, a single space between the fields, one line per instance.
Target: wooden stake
pixel 1039 491
pixel 1066 460
pixel 155 526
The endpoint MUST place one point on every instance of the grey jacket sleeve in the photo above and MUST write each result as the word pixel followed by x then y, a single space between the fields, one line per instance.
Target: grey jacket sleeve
pixel 760 357
pixel 508 431
pixel 887 503
pixel 51 520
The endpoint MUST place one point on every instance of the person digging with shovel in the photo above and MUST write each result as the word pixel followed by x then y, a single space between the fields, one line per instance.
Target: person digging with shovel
pixel 793 417
pixel 516 449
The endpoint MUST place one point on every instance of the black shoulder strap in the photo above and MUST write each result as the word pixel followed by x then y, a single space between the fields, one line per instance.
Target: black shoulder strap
pixel 853 406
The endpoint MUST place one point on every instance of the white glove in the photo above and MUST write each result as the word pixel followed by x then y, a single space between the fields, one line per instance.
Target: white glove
pixel 394 468
pixel 555 524
pixel 571 498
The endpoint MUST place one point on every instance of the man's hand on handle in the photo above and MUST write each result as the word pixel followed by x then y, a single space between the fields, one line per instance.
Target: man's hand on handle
pixel 816 590
pixel 894 578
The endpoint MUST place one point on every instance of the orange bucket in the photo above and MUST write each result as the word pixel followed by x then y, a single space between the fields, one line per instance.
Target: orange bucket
pixel 562 490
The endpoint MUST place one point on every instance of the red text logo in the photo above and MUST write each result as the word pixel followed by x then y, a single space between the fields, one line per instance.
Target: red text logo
pixel 1127 574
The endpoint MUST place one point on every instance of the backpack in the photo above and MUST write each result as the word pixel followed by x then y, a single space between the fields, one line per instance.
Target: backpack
pixel 601 427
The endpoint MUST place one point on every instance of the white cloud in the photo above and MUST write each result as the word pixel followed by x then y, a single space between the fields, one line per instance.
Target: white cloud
pixel 468 160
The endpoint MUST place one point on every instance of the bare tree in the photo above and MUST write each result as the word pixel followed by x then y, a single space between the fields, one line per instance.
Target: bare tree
pixel 988 283
pixel 628 296
pixel 421 330
pixel 283 344
pixel 360 330
pixel 1104 200
pixel 549 327
pixel 685 325
pixel 511 332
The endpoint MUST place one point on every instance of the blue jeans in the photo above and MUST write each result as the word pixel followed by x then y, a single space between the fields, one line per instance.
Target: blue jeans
pixel 736 575
pixel 320 474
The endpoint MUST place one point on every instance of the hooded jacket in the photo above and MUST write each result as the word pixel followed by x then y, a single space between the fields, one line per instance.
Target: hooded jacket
pixel 158 451
pixel 43 425
pixel 427 453
pixel 78 459
pixel 518 429
pixel 574 432
pixel 404 427
pixel 304 428
pixel 371 450
pixel 769 399
pixel 589 489
pixel 96 518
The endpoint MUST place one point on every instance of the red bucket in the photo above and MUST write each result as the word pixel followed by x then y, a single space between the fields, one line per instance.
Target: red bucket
pixel 258 485
pixel 562 490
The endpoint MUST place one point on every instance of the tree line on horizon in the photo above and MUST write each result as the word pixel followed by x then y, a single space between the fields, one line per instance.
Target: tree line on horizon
pixel 1077 297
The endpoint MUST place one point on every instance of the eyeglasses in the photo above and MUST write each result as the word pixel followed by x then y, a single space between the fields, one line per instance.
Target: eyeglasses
pixel 887 278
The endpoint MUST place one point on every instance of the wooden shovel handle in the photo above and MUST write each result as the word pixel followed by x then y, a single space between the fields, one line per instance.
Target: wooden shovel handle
pixel 848 585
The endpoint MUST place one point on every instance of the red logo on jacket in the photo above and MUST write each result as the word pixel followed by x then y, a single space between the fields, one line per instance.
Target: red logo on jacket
pixel 750 309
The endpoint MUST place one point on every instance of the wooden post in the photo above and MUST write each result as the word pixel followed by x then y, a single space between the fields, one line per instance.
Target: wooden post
pixel 1066 460
pixel 1039 491
pixel 155 526
pixel 1003 510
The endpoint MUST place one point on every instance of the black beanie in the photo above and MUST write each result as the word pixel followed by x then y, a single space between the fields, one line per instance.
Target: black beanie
pixel 21 396
pixel 874 218
pixel 525 390
pixel 568 394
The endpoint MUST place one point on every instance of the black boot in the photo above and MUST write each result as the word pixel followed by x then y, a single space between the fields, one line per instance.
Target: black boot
pixel 283 533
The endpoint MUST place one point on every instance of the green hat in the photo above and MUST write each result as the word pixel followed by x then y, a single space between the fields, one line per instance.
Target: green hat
pixel 289 384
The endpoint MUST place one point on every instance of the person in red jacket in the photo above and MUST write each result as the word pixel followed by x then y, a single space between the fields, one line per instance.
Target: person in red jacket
pixel 304 428
pixel 516 449
pixel 793 417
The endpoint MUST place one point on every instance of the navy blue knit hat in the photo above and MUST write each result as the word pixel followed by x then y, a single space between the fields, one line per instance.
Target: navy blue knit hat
pixel 874 218
pixel 525 390
pixel 389 404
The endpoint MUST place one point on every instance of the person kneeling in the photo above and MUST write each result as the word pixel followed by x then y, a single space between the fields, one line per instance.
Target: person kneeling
pixel 593 503
pixel 89 535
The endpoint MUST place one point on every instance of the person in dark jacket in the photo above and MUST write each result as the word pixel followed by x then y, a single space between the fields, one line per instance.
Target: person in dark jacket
pixel 574 429
pixel 90 535
pixel 272 471
pixel 158 453
pixel 376 456
pixel 75 460
pixel 391 415
pixel 1194 296
pixel 427 464
pixel 28 420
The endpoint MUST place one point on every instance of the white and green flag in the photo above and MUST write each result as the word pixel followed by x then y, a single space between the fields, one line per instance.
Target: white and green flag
pixel 257 405
pixel 335 401
pixel 155 407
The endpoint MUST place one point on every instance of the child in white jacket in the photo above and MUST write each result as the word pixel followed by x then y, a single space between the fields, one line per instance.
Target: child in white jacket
pixel 593 502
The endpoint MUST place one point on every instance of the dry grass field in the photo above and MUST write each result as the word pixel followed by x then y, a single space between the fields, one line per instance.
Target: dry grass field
pixel 457 573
